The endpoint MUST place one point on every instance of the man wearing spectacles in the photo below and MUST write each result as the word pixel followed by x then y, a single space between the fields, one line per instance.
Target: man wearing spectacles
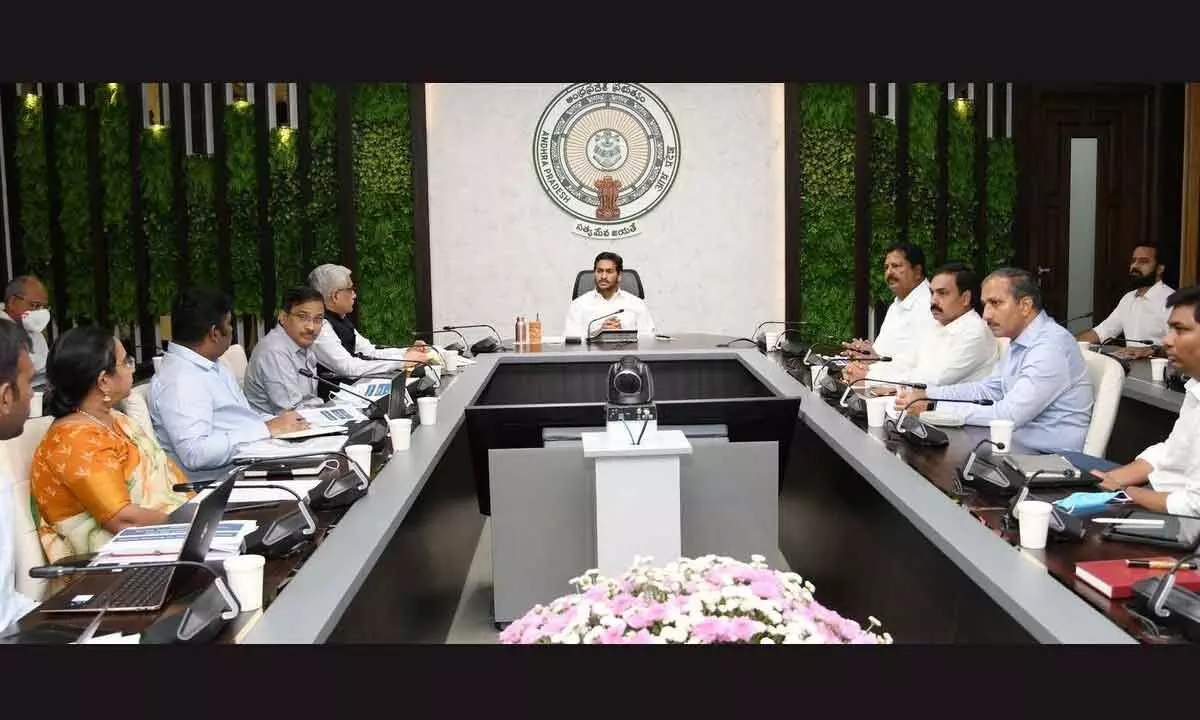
pixel 339 348
pixel 273 380
pixel 27 303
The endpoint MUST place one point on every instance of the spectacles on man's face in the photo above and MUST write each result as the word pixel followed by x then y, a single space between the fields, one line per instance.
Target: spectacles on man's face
pixel 34 304
pixel 306 319
pixel 130 362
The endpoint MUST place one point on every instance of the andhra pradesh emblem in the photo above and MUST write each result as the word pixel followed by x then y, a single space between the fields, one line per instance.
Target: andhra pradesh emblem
pixel 606 153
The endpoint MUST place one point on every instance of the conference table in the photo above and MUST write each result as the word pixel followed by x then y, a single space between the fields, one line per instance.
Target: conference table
pixel 878 526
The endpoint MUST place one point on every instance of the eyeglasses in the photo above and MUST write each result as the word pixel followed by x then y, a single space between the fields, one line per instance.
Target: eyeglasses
pixel 35 305
pixel 306 319
pixel 345 289
pixel 130 361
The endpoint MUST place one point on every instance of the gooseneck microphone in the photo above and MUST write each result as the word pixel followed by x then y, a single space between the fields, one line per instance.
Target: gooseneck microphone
pixel 334 493
pixel 588 333
pixel 285 533
pixel 464 347
pixel 486 345
pixel 199 623
pixel 375 410
pixel 1158 601
pixel 980 401
pixel 918 386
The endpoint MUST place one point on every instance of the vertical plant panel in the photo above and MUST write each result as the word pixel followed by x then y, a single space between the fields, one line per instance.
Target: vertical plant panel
pixel 70 140
pixel 383 202
pixel 327 246
pixel 118 189
pixel 284 212
pixel 827 177
pixel 243 209
pixel 158 218
pixel 35 202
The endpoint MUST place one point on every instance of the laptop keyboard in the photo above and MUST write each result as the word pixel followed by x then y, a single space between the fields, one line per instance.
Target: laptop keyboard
pixel 138 587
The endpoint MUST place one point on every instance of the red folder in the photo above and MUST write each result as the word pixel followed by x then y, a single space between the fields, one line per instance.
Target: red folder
pixel 1115 579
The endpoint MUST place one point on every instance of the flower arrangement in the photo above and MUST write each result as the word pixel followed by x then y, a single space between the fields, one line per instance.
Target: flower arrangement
pixel 704 600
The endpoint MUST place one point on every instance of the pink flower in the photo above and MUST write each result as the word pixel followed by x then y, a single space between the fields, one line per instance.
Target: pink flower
pixel 767 589
pixel 612 635
pixel 596 593
pixel 640 638
pixel 556 624
pixel 531 635
pixel 645 616
pixel 709 630
pixel 620 604
pixel 742 629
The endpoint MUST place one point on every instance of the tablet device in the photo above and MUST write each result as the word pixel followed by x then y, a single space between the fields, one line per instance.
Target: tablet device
pixel 1179 532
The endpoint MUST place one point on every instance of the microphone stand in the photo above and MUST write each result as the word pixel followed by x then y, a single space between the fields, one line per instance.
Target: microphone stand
pixel 588 332
pixel 431 333
pixel 482 346
pixel 284 535
pixel 325 498
pixel 204 617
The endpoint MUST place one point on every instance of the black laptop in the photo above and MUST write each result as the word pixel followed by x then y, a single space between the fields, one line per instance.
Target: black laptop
pixel 139 589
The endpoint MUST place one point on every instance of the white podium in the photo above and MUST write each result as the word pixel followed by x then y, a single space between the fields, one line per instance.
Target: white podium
pixel 637 497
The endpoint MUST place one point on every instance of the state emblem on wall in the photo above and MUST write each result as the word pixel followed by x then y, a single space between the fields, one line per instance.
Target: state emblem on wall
pixel 606 154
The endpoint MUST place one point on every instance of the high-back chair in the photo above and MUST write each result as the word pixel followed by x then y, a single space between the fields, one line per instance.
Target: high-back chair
pixel 1108 379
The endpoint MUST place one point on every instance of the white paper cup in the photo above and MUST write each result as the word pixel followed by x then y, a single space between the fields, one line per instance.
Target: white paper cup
pixel 877 410
pixel 1002 432
pixel 400 430
pixel 244 575
pixel 361 455
pixel 1034 517
pixel 427 410
pixel 1158 369
pixel 35 404
pixel 450 357
pixel 1084 346
pixel 771 339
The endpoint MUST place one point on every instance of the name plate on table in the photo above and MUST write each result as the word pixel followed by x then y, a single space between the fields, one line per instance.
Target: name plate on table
pixel 614 336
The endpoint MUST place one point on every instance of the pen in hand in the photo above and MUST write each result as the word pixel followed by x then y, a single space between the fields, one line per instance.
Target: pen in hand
pixel 1159 564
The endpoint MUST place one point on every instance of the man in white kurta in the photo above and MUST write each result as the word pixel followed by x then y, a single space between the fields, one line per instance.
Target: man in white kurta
pixel 606 298
pixel 958 347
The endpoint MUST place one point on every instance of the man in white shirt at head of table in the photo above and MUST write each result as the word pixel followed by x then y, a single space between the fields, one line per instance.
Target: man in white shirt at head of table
pixel 909 316
pixel 960 348
pixel 1172 467
pixel 1141 314
pixel 607 297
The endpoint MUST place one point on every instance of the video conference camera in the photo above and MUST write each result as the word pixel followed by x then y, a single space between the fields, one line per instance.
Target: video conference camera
pixel 630 400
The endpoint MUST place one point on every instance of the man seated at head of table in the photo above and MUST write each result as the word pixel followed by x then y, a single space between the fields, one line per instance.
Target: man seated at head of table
pixel 1172 467
pixel 1041 383
pixel 908 317
pixel 199 412
pixel 339 348
pixel 959 348
pixel 1141 314
pixel 607 297
pixel 273 380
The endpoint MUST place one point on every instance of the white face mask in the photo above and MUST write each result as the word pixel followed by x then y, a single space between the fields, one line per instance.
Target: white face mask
pixel 36 320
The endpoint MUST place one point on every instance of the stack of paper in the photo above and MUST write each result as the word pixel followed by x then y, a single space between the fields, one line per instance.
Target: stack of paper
pixel 276 448
pixel 158 543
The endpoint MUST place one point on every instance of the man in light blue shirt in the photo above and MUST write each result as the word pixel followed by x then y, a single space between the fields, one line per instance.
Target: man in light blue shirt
pixel 199 412
pixel 1041 383
pixel 16 388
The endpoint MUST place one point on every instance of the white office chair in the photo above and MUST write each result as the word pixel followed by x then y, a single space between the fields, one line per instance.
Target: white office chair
pixel 17 458
pixel 235 359
pixel 1108 379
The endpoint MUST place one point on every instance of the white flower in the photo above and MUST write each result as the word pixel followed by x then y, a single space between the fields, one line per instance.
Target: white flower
pixel 766 641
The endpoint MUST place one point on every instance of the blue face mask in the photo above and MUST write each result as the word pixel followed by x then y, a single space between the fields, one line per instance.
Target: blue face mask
pixel 1085 502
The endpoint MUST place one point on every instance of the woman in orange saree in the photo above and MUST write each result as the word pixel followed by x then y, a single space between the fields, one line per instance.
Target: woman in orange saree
pixel 96 472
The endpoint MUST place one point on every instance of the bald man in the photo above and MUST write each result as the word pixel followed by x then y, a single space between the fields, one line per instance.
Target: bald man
pixel 27 303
